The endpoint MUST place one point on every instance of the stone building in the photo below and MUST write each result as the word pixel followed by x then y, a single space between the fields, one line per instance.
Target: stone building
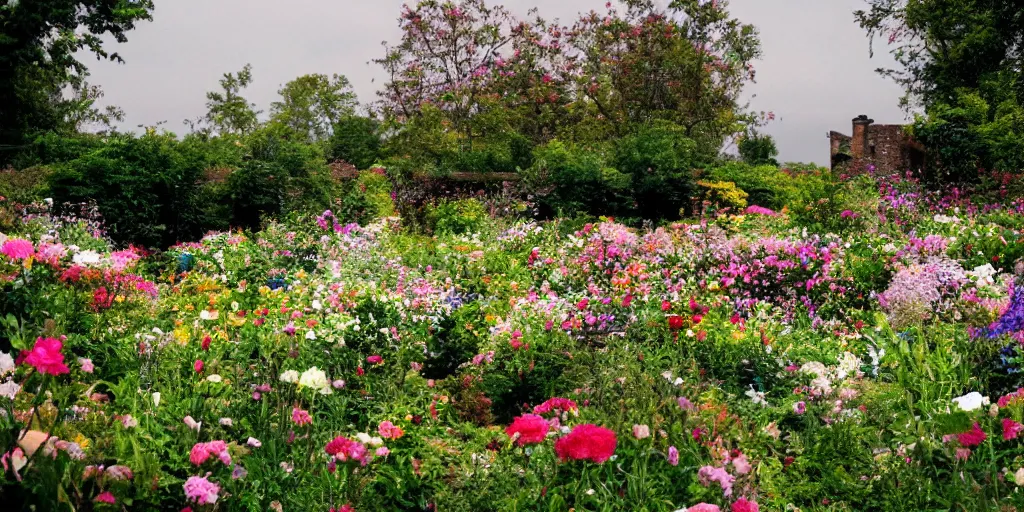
pixel 887 147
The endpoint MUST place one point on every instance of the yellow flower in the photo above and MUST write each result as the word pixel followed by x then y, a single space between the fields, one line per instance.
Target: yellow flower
pixel 301 274
pixel 82 441
pixel 182 335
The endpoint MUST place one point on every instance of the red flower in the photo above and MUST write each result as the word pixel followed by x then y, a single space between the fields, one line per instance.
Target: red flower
pixel 105 497
pixel 742 505
pixel 675 322
pixel 666 305
pixel 972 437
pixel 1011 429
pixel 46 358
pixel 532 429
pixel 206 342
pixel 587 442
pixel 555 404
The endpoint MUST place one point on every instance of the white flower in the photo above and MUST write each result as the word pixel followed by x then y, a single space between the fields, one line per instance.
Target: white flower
pixel 1018 477
pixel 317 305
pixel 215 378
pixel 86 258
pixel 290 376
pixel 758 398
pixel 208 315
pixel 815 368
pixel 315 378
pixel 6 363
pixel 193 424
pixel 156 399
pixel 310 335
pixel 848 365
pixel 9 389
pixel 971 401
pixel 227 422
pixel 255 443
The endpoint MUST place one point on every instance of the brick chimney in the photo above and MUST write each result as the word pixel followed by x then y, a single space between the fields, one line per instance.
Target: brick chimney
pixel 859 140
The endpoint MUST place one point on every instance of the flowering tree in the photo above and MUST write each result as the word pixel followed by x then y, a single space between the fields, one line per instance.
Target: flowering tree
pixel 686 64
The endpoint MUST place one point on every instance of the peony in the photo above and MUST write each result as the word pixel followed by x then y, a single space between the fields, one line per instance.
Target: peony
pixel 345 449
pixel 18 249
pixel 315 378
pixel 587 442
pixel 201 490
pixel 46 357
pixel 528 429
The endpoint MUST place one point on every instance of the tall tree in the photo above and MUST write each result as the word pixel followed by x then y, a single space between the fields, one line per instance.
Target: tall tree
pixel 40 41
pixel 228 112
pixel 312 104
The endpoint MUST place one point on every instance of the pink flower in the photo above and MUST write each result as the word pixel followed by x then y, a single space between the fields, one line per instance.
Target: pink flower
pixel 741 465
pixel 641 431
pixel 86 364
pixel 301 417
pixel 743 505
pixel 528 429
pixel 587 442
pixel 18 249
pixel 972 437
pixel 345 449
pixel 198 366
pixel 555 404
pixel 120 473
pixel 105 497
pixel 389 430
pixel 201 452
pixel 673 456
pixel 201 490
pixel 704 507
pixel 708 474
pixel 799 407
pixel 375 359
pixel 46 358
pixel 382 451
pixel 1011 429
pixel 192 423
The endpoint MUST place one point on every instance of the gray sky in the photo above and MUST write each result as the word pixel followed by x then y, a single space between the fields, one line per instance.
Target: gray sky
pixel 816 74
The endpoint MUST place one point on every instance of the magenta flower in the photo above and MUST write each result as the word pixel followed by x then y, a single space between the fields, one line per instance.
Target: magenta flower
pixel 105 497
pixel 201 490
pixel 301 417
pixel 18 249
pixel 46 357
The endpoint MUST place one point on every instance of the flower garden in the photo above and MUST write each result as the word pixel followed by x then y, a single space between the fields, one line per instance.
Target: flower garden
pixel 740 362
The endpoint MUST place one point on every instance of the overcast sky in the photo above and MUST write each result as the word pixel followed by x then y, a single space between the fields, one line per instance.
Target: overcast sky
pixel 815 75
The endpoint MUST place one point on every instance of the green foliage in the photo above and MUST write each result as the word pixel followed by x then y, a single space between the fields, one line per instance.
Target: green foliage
pixel 577 180
pixel 40 45
pixel 227 111
pixel 366 199
pixel 456 217
pixel 723 194
pixel 311 105
pixel 769 186
pixel 756 149
pixel 143 186
pixel 356 140
pixel 658 159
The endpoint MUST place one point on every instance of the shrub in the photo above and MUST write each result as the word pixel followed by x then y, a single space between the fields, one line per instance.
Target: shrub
pixel 356 140
pixel 142 185
pixel 723 194
pixel 572 180
pixel 659 158
pixel 366 198
pixel 456 217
